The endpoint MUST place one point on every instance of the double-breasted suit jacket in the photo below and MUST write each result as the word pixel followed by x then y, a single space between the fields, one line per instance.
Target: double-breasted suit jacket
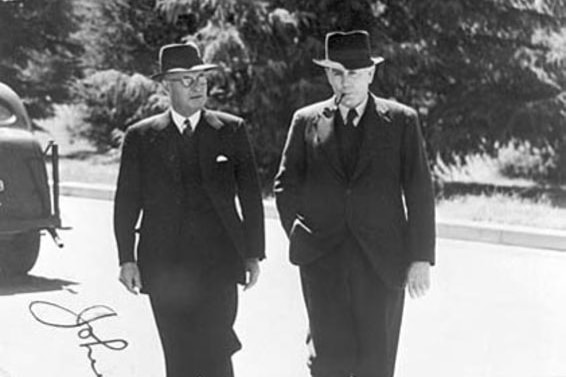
pixel 387 205
pixel 150 183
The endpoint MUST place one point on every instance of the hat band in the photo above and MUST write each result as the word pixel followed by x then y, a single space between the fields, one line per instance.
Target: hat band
pixel 347 55
pixel 354 63
pixel 351 59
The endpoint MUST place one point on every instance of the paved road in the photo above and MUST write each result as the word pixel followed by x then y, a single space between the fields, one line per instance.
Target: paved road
pixel 494 311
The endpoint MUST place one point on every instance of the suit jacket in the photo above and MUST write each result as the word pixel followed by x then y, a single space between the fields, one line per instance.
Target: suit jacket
pixel 150 183
pixel 387 205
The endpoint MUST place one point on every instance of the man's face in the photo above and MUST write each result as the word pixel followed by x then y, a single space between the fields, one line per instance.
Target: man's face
pixel 353 84
pixel 187 91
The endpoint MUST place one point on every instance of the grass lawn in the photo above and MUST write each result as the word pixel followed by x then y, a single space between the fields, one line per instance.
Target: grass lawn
pixel 81 163
pixel 99 169
pixel 496 208
pixel 504 209
pixel 79 160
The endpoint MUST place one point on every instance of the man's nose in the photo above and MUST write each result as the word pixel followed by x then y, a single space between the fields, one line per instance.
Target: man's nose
pixel 346 80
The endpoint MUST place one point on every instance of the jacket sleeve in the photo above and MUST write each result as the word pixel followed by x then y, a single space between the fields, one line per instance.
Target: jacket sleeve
pixel 128 197
pixel 290 176
pixel 249 194
pixel 418 192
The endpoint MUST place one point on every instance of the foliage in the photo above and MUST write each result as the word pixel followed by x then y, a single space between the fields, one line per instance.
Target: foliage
pixel 121 39
pixel 123 34
pixel 112 101
pixel 266 74
pixel 522 160
pixel 480 72
pixel 39 55
pixel 481 75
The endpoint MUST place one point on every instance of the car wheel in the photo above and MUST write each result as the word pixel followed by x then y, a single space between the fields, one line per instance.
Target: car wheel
pixel 19 253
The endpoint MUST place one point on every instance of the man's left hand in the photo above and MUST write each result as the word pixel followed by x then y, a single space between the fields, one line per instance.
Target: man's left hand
pixel 418 279
pixel 251 266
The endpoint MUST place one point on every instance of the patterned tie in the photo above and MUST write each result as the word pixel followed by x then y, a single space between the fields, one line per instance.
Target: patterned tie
pixel 188 130
pixel 352 114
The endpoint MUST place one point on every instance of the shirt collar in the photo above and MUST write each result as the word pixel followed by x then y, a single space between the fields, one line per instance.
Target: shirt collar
pixel 359 110
pixel 179 120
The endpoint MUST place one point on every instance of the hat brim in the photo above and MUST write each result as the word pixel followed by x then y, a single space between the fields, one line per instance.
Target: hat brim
pixel 195 68
pixel 326 63
pixel 9 122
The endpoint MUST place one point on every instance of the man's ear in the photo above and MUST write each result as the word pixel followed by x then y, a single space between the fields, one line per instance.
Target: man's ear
pixel 327 71
pixel 371 74
pixel 165 84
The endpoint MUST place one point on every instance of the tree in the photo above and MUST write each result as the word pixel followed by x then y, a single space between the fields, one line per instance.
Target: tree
pixel 112 100
pixel 121 39
pixel 39 54
pixel 480 72
pixel 266 72
pixel 124 35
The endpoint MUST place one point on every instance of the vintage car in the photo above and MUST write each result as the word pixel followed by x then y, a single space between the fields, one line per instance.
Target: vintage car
pixel 27 205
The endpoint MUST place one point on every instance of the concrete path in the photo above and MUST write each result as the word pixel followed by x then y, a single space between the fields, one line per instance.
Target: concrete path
pixel 494 311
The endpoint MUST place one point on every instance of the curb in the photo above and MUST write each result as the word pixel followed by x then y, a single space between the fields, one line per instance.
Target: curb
pixel 502 234
pixel 87 190
pixel 445 228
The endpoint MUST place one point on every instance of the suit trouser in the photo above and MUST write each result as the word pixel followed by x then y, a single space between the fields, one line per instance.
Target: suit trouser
pixel 354 318
pixel 195 324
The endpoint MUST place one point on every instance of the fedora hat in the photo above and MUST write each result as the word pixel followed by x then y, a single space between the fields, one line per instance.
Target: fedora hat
pixel 348 50
pixel 179 57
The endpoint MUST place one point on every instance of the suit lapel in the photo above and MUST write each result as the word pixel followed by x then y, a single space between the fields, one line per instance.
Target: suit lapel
pixel 375 134
pixel 166 141
pixel 211 143
pixel 324 136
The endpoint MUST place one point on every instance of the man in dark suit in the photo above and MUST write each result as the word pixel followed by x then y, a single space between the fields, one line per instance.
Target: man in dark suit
pixel 182 171
pixel 355 197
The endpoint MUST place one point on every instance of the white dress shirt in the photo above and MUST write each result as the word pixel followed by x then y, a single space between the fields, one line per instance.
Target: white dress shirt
pixel 179 120
pixel 359 110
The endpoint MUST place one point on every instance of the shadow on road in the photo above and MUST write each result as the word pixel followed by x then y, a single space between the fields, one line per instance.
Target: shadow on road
pixel 31 284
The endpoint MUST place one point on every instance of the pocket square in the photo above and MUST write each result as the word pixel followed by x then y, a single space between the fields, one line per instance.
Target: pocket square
pixel 221 158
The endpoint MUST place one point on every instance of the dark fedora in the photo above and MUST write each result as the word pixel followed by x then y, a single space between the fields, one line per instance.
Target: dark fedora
pixel 348 50
pixel 179 57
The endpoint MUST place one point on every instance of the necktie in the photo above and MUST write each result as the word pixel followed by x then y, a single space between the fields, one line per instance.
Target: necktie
pixel 188 130
pixel 349 143
pixel 352 114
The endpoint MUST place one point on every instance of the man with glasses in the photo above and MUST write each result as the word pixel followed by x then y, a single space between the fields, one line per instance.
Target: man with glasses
pixel 355 197
pixel 181 172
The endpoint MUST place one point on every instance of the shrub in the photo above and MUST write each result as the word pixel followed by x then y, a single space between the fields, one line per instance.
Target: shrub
pixel 521 160
pixel 112 101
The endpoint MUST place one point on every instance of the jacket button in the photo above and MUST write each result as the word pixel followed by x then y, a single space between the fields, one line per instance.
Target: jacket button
pixel 348 191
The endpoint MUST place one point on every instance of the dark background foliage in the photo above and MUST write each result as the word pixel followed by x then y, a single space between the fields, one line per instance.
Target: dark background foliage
pixel 39 58
pixel 481 73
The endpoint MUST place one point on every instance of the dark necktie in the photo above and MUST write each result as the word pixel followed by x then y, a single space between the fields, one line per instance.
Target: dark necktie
pixel 352 114
pixel 188 130
pixel 350 138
